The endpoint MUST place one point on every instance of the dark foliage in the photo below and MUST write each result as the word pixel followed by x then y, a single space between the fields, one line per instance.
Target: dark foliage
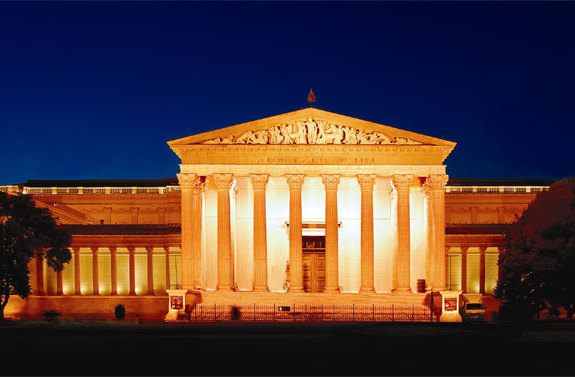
pixel 27 232
pixel 538 265
pixel 120 312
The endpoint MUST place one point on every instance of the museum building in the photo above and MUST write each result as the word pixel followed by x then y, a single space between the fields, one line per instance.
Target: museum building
pixel 306 208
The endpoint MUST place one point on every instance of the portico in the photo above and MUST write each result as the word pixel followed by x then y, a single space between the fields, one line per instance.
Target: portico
pixel 248 189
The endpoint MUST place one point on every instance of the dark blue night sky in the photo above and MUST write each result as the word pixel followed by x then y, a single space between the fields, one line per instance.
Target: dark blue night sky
pixel 93 90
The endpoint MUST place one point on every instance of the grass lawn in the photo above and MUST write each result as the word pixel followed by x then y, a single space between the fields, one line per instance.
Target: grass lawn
pixel 83 347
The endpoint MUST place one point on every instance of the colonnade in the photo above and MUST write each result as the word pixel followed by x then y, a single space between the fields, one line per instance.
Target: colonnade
pixel 40 289
pixel 191 191
pixel 464 251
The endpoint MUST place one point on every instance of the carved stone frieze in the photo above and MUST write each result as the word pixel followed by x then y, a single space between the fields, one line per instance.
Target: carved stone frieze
pixel 311 131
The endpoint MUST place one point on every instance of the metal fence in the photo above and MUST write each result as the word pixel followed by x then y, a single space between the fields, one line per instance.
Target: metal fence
pixel 305 313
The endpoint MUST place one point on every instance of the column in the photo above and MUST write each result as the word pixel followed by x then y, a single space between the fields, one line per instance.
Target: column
pixel 464 268
pixel 132 266
pixel 40 277
pixel 150 265
pixel 482 269
pixel 77 281
pixel 95 277
pixel 366 183
pixel 187 182
pixel 436 184
pixel 59 283
pixel 223 183
pixel 331 233
pixel 197 191
pixel 113 271
pixel 402 182
pixel 168 282
pixel 259 182
pixel 500 250
pixel 295 182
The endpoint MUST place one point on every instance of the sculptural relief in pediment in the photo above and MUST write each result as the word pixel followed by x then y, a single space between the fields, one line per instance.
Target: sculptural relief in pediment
pixel 311 131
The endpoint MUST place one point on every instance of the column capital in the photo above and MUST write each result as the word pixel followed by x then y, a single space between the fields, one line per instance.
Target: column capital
pixel 188 180
pixel 402 181
pixel 295 181
pixel 366 181
pixel 331 181
pixel 223 181
pixel 259 181
pixel 94 249
pixel 464 249
pixel 437 181
pixel 113 249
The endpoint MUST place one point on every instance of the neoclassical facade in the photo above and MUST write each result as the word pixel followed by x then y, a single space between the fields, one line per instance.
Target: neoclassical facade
pixel 308 207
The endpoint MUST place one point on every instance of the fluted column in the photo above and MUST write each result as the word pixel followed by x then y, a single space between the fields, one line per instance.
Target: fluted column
pixel 187 182
pixel 331 233
pixel 295 182
pixel 132 267
pixel 402 182
pixel 366 183
pixel 113 271
pixel 259 182
pixel 436 184
pixel 482 269
pixel 95 277
pixel 464 269
pixel 77 278
pixel 150 265
pixel 223 183
pixel 197 192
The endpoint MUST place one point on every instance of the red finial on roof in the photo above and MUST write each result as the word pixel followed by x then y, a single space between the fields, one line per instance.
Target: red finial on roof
pixel 310 96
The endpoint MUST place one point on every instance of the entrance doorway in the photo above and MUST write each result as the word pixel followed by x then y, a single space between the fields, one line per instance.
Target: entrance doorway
pixel 313 248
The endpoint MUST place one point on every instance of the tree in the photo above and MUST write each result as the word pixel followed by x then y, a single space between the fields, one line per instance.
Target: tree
pixel 538 265
pixel 27 232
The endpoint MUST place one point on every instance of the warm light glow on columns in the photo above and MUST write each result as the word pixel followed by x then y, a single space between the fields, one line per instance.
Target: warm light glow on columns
pixel 150 265
pixel 187 182
pixel 331 233
pixel 113 271
pixel 59 283
pixel 402 182
pixel 295 182
pixel 436 185
pixel 223 183
pixel 197 191
pixel 95 280
pixel 168 283
pixel 77 281
pixel 482 269
pixel 40 277
pixel 132 267
pixel 464 269
pixel 259 182
pixel 366 183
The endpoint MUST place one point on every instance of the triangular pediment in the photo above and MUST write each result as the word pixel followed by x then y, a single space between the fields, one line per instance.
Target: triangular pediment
pixel 310 126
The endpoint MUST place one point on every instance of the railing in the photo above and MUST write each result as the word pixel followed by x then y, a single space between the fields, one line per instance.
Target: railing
pixel 310 313
pixel 496 189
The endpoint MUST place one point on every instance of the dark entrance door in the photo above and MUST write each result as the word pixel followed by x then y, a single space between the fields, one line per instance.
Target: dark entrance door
pixel 313 263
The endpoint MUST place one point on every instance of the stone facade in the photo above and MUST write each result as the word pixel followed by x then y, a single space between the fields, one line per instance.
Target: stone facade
pixel 237 223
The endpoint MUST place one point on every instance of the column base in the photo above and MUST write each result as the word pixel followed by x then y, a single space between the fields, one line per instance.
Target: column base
pixel 296 290
pixel 224 288
pixel 331 290
pixel 260 289
pixel 401 290
pixel 367 290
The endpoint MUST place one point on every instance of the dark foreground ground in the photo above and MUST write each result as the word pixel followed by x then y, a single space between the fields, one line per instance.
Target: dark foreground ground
pixel 73 347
